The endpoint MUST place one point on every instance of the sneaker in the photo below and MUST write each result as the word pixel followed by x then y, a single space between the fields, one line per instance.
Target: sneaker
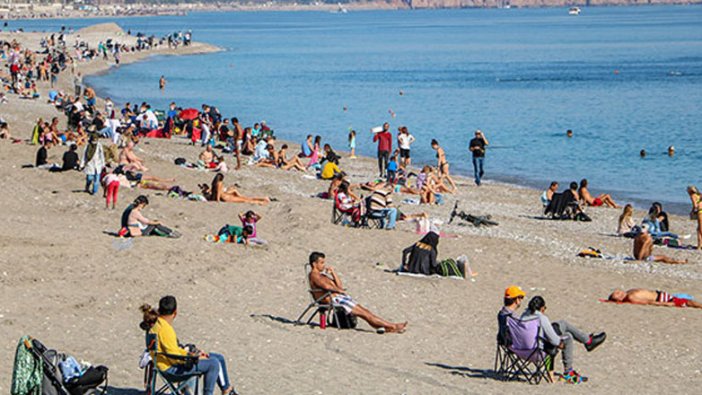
pixel 595 341
pixel 572 377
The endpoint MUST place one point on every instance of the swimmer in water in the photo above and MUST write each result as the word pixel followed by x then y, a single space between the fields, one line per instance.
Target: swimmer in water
pixel 162 83
pixel 569 133
pixel 642 153
pixel 671 151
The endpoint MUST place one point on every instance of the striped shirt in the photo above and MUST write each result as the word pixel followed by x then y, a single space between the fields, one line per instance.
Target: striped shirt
pixel 381 199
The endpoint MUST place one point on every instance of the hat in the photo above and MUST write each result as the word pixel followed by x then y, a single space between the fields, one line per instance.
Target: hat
pixel 514 292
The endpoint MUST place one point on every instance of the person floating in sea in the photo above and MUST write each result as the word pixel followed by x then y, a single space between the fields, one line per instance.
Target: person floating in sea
pixel 162 83
pixel 569 133
pixel 671 151
pixel 642 153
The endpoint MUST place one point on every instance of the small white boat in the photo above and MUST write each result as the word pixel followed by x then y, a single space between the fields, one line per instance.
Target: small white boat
pixel 574 11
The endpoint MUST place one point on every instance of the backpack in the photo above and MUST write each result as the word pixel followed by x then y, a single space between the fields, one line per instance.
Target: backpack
pixel 345 320
pixel 90 379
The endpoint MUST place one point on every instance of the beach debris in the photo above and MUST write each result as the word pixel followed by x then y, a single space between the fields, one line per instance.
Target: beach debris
pixel 477 221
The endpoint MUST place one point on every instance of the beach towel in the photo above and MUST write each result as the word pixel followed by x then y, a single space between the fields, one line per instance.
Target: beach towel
pixel 615 302
pixel 28 372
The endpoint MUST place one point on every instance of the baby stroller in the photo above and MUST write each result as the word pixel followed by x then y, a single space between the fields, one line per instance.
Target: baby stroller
pixel 39 370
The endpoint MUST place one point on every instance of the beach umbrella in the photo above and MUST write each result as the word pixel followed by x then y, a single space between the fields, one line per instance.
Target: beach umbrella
pixel 188 114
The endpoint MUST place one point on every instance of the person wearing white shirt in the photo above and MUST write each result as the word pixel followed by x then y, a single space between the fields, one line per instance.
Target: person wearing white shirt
pixel 404 140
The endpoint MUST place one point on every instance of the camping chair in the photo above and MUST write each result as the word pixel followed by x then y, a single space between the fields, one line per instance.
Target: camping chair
pixel 339 216
pixel 172 384
pixel 372 219
pixel 529 361
pixel 504 358
pixel 317 306
pixel 562 206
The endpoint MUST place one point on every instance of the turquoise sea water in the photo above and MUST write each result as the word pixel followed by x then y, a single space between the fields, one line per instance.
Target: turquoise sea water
pixel 623 78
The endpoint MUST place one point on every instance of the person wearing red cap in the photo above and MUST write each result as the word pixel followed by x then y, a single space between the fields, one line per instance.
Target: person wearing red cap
pixel 512 300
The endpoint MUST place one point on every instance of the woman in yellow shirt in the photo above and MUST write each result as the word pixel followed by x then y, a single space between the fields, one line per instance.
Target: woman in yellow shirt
pixel 160 323
pixel 330 169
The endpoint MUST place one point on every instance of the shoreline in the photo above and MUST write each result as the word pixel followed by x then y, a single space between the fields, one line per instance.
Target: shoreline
pixel 502 179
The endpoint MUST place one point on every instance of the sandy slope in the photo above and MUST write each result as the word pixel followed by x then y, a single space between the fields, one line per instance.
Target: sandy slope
pixel 67 283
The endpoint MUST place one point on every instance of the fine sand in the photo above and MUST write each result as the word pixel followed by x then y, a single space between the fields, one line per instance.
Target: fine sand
pixel 76 288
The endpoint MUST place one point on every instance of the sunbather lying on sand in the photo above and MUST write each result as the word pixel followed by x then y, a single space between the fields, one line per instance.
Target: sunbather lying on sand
pixel 654 298
pixel 324 278
pixel 643 249
pixel 218 193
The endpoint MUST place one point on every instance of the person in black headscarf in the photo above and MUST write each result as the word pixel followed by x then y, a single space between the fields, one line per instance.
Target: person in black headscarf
pixel 422 255
pixel 420 258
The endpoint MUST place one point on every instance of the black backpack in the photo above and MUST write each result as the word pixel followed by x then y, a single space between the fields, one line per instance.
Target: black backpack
pixel 345 320
pixel 88 381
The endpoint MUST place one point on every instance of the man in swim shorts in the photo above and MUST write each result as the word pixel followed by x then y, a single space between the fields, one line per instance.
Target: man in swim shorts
pixel 643 249
pixel 325 279
pixel 654 298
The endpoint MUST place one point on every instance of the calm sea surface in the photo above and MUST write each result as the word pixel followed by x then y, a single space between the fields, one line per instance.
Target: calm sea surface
pixel 622 78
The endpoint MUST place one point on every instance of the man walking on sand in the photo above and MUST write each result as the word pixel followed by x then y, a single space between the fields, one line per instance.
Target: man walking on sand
pixel 477 147
pixel 384 139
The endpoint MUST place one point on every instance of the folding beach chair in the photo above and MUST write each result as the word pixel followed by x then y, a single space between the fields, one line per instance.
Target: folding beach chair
pixel 339 216
pixel 372 219
pixel 528 360
pixel 504 358
pixel 317 306
pixel 171 384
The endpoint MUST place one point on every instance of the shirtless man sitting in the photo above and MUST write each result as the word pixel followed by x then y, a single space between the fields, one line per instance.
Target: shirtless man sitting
pixel 325 279
pixel 653 298
pixel 603 199
pixel 129 160
pixel 643 249
pixel 207 157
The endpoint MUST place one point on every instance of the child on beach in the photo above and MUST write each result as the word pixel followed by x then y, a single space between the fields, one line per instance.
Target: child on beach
pixel 352 144
pixel 249 219
pixel 231 234
pixel 391 169
pixel 111 184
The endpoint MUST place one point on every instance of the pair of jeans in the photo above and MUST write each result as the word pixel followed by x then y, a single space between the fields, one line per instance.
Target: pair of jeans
pixel 214 367
pixel 383 158
pixel 478 168
pixel 390 214
pixel 94 180
pixel 569 333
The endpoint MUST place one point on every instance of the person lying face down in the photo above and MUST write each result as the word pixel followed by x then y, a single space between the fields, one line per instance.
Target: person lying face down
pixel 653 298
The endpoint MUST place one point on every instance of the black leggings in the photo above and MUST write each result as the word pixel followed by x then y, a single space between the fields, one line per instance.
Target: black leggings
pixel 383 157
pixel 156 230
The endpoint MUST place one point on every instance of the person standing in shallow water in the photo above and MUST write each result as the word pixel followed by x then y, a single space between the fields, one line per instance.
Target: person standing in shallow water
pixel 162 83
pixel 477 147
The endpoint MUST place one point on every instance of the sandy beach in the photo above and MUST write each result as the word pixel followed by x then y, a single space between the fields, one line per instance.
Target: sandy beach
pixel 70 284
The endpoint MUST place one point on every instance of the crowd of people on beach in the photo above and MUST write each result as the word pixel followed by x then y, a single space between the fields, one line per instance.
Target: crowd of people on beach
pixel 110 138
